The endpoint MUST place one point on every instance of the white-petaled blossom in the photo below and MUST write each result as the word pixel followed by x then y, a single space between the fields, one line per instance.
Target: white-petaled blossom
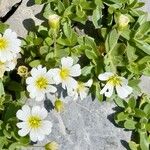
pixel 9 46
pixel 33 122
pixel 81 90
pixel 65 75
pixel 40 83
pixel 117 82
pixel 8 65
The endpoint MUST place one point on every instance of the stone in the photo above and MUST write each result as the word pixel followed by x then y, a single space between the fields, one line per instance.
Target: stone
pixel 145 84
pixel 85 125
pixel 6 6
pixel 24 20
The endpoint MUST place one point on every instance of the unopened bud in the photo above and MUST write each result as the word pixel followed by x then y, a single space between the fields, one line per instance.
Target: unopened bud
pixel 22 71
pixel 54 21
pixel 51 146
pixel 59 105
pixel 123 21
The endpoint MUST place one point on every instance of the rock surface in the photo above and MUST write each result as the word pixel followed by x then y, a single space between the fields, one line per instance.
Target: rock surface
pixel 6 6
pixel 24 17
pixel 84 125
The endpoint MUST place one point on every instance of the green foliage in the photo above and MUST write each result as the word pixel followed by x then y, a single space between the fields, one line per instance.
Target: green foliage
pixel 89 33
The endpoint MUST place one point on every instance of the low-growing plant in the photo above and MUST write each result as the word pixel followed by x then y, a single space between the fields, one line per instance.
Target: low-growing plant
pixel 100 47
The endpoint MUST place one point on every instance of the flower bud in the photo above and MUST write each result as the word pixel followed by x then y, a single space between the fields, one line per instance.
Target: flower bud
pixel 59 106
pixel 22 71
pixel 123 21
pixel 54 21
pixel 51 146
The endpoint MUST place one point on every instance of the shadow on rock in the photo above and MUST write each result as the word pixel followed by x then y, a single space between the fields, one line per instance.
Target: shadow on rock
pixel 29 24
pixel 48 105
pixel 30 3
pixel 125 144
pixel 111 117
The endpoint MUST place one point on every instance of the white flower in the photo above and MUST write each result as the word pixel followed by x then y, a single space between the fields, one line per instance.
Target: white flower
pixel 66 73
pixel 8 66
pixel 33 122
pixel 81 90
pixel 117 82
pixel 9 46
pixel 40 83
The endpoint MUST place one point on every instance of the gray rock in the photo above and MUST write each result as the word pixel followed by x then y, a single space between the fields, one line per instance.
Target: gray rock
pixel 86 125
pixel 24 18
pixel 145 84
pixel 6 5
pixel 147 5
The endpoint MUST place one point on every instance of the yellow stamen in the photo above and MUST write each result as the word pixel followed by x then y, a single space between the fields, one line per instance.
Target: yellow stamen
pixel 3 43
pixel 42 83
pixel 115 80
pixel 34 122
pixel 64 73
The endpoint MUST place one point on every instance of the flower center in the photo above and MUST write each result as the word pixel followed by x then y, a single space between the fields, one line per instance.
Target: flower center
pixel 64 73
pixel 115 80
pixel 34 122
pixel 42 83
pixel 3 44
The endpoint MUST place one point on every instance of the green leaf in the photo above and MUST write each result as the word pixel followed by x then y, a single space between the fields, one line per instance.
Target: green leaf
pixel 130 124
pixel 62 52
pixel 133 145
pixel 121 116
pixel 139 113
pixel 144 144
pixel 11 111
pixel 120 102
pixel 111 40
pixel 132 103
pixel 131 53
pixel 90 54
pixel 18 86
pixel 34 63
pixel 86 70
pixel 3 27
pixel 2 92
pixel 97 17
pixel 15 146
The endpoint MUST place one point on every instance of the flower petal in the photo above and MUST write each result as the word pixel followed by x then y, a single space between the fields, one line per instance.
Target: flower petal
pixel 107 90
pixel 33 135
pixel 71 83
pixel 83 94
pixel 41 112
pixel 75 70
pixel 46 127
pixel 52 89
pixel 105 76
pixel 89 83
pixel 24 131
pixel 23 113
pixel 66 62
pixel 123 91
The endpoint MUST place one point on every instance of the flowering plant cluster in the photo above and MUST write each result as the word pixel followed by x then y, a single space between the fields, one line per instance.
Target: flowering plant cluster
pixel 96 47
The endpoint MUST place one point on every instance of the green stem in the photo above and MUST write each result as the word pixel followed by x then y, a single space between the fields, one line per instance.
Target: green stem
pixel 55 44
